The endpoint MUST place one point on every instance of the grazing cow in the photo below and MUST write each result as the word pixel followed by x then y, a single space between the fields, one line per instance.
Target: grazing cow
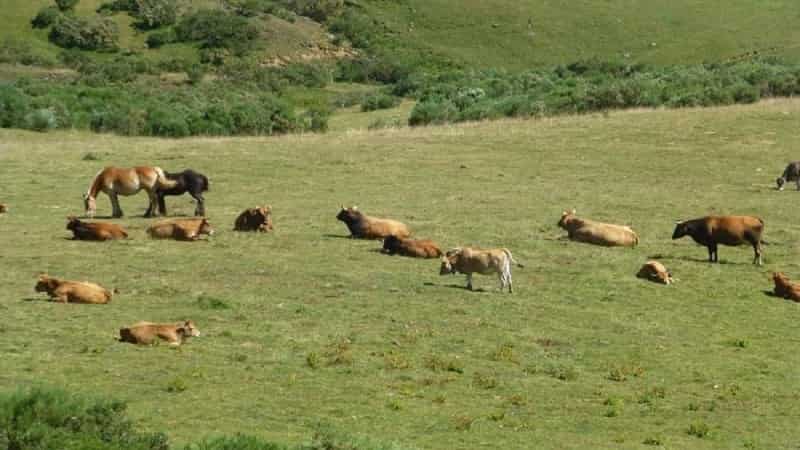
pixel 194 183
pixel 363 226
pixel 598 233
pixel 254 219
pixel 415 248
pixel 181 229
pixel 468 260
pixel 655 271
pixel 115 181
pixel 64 291
pixel 726 230
pixel 790 173
pixel 148 333
pixel 785 288
pixel 3 208
pixel 95 231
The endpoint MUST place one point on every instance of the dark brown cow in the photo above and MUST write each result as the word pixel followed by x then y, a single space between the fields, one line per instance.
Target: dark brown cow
pixel 711 231
pixel 254 219
pixel 95 231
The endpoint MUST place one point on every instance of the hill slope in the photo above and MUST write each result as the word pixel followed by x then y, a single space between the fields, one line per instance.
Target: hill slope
pixel 303 324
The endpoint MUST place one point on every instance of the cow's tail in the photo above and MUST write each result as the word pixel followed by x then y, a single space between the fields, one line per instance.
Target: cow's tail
pixel 511 259
pixel 206 183
pixel 162 182
pixel 125 335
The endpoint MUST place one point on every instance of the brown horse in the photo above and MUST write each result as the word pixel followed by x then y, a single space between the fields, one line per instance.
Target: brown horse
pixel 116 181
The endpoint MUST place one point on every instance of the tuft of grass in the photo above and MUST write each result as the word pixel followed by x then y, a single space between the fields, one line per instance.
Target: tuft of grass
pixel 176 385
pixel 485 380
pixel 208 302
pixel 440 364
pixel 699 430
pixel 622 373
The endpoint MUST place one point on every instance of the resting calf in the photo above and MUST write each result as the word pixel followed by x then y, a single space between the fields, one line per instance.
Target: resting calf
pixel 64 291
pixel 147 332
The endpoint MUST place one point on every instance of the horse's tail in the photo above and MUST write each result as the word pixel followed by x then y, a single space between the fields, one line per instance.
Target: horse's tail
pixel 162 182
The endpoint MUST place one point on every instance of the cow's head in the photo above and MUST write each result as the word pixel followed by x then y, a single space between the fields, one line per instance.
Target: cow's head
pixel 565 217
pixel 349 215
pixel 780 278
pixel 44 283
pixel 89 204
pixel 205 227
pixel 681 230
pixel 189 329
pixel 72 222
pixel 780 182
pixel 447 267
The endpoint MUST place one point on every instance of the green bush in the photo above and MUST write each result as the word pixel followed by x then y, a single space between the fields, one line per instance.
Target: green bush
pixel 152 14
pixel 379 100
pixel 161 38
pixel 99 33
pixel 52 419
pixel 318 10
pixel 433 112
pixel 215 29
pixel 41 120
pixel 357 28
pixel 45 17
pixel 66 5
pixel 162 120
pixel 14 106
pixel 308 75
pixel 195 73
pixel 18 51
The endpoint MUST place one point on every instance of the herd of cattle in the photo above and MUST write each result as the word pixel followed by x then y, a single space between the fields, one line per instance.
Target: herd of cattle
pixel 710 231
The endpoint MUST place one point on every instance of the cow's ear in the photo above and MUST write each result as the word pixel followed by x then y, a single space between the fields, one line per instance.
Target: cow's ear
pixel 355 208
pixel 573 211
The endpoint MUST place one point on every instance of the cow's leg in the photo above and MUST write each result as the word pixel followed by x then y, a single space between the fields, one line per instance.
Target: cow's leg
pixel 200 210
pixel 713 256
pixel 758 252
pixel 116 211
pixel 798 184
pixel 469 281
pixel 508 279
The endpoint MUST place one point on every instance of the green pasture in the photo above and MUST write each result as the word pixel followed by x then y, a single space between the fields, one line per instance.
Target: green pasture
pixel 304 325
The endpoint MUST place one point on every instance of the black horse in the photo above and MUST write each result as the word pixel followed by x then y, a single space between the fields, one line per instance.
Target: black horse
pixel 194 183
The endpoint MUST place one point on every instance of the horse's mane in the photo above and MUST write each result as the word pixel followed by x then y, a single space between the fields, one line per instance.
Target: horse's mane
pixel 94 188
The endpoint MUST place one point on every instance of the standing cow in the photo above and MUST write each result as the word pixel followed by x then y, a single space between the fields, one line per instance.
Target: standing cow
pixel 468 260
pixel 726 230
pixel 790 173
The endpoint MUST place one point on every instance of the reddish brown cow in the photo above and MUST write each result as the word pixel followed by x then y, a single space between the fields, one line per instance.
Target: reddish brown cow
pixel 64 291
pixel 711 231
pixel 148 333
pixel 415 248
pixel 95 231
pixel 785 288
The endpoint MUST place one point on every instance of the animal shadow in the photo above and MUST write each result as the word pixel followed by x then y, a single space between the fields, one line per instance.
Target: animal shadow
pixel 335 236
pixel 694 260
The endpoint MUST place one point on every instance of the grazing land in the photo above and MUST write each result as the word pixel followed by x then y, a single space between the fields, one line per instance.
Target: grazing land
pixel 304 325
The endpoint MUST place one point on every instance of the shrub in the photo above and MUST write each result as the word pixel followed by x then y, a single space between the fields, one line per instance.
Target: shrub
pixel 379 101
pixel 155 13
pixel 356 27
pixel 41 418
pixel 100 33
pixel 14 106
pixel 308 75
pixel 163 121
pixel 66 5
pixel 215 29
pixel 74 59
pixel 316 119
pixel 18 51
pixel 161 38
pixel 318 10
pixel 195 72
pixel 433 112
pixel 45 17
pixel 40 120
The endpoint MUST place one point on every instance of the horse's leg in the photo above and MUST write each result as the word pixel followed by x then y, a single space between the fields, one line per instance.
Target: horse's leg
pixel 200 210
pixel 151 209
pixel 116 210
pixel 162 204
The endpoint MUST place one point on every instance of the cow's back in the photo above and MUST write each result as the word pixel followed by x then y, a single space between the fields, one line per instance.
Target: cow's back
pixel 735 230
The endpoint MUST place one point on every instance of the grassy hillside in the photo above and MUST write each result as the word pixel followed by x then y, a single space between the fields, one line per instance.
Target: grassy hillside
pixel 514 34
pixel 304 325
pixel 496 33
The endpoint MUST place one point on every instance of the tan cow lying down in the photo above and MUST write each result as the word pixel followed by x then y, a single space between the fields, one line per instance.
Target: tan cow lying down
pixel 655 271
pixel 148 333
pixel 363 226
pixel 64 291
pixel 254 219
pixel 598 233
pixel 95 231
pixel 468 260
pixel 785 288
pixel 415 248
pixel 181 229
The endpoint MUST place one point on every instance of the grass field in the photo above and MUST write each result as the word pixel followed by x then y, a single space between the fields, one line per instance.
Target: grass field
pixel 304 325
pixel 496 33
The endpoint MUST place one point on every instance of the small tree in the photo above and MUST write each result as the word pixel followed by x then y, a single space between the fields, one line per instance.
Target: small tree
pixel 66 5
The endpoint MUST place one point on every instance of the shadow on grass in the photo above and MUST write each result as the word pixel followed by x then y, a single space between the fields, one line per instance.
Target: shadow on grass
pixel 696 260
pixel 456 286
pixel 336 236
